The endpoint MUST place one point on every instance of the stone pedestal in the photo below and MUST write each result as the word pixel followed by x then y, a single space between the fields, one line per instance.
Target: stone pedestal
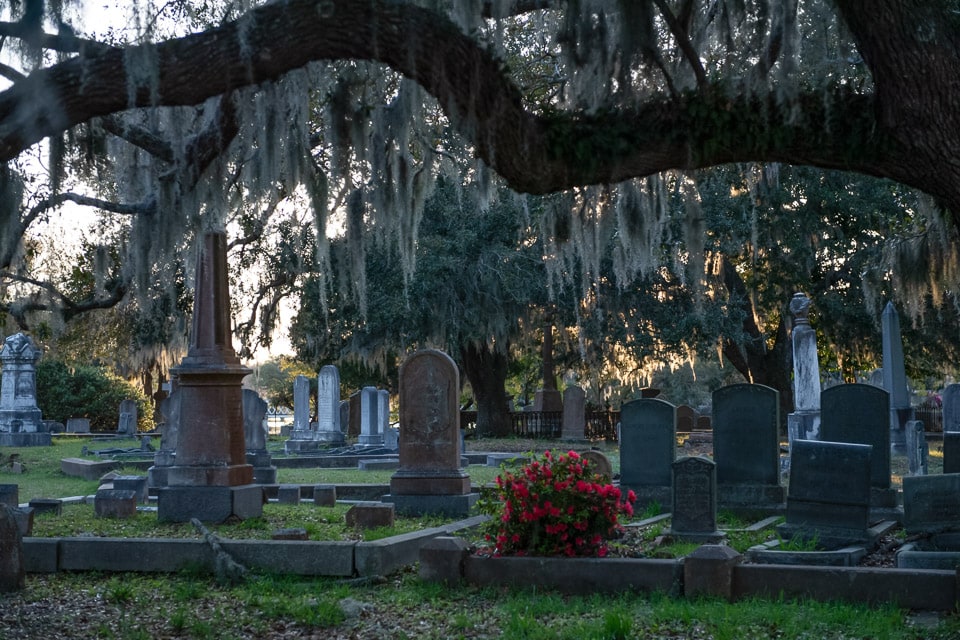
pixel 803 425
pixel 20 418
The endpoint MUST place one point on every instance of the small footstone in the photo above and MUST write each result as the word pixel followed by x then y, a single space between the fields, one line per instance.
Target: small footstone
pixel 290 534
pixel 325 495
pixel 12 572
pixel 370 515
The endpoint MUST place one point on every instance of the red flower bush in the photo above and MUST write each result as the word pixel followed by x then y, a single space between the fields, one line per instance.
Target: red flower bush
pixel 554 505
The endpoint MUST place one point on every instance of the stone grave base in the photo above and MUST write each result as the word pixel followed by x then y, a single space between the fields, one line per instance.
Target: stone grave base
pixel 300 446
pixel 335 438
pixel 703 537
pixel 265 475
pixel 940 551
pixel 755 497
pixel 453 482
pixel 832 538
pixel 421 505
pixel 158 476
pixel 648 495
pixel 209 504
pixel 770 553
pixel 33 439
pixel 375 440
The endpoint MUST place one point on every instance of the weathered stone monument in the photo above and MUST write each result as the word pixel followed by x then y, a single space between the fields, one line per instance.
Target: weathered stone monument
pixel 255 438
pixel 210 479
pixel 895 378
pixel 917 449
pixel 163 459
pixel 931 504
pixel 328 406
pixel 804 422
pixel 694 510
pixel 746 447
pixel 648 442
pixel 430 478
pixel 127 423
pixel 951 451
pixel 20 418
pixel 370 434
pixel 860 414
pixel 12 566
pixel 303 437
pixel 383 413
pixel 950 398
pixel 574 414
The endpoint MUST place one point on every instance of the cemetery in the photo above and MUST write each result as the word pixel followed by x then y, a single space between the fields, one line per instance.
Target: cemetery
pixel 365 319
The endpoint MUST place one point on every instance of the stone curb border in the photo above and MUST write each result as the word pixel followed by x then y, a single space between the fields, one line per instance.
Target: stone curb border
pixel 344 559
pixel 711 570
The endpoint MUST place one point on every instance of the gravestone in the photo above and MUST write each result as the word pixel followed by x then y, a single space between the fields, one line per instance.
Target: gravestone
pixel 648 442
pixel 353 430
pixel 860 414
pixel 931 504
pixel 78 425
pixel 694 503
pixel 345 416
pixel 951 451
pixel 166 455
pixel 127 424
pixel 895 378
pixel 430 479
pixel 255 438
pixel 303 438
pixel 950 400
pixel 383 413
pixel 746 447
pixel 599 463
pixel 210 479
pixel 20 418
pixel 804 422
pixel 10 495
pixel 328 406
pixel 916 445
pixel 686 418
pixel 370 418
pixel 12 567
pixel 137 484
pixel 829 493
pixel 115 503
pixel 391 439
pixel 574 414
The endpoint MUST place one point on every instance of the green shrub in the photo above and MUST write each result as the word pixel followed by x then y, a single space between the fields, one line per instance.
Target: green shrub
pixel 87 392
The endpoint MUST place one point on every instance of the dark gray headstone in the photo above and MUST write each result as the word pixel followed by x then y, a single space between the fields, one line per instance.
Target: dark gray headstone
pixel 686 418
pixel 916 443
pixel 951 407
pixel 12 568
pixel 746 442
pixel 859 414
pixel 694 497
pixel 10 495
pixel 931 504
pixel 648 443
pixel 254 411
pixel 829 485
pixel 951 451
pixel 127 424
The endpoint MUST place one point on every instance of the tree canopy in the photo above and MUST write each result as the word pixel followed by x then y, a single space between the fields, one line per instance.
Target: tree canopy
pixel 200 114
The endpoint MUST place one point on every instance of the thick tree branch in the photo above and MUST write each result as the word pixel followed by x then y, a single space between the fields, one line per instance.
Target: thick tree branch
pixel 534 153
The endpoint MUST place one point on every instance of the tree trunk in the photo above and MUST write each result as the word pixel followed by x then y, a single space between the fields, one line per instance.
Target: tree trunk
pixel 773 366
pixel 486 370
pixel 549 376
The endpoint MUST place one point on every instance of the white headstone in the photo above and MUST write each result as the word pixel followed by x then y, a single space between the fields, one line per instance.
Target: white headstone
pixel 301 404
pixel 328 399
pixel 369 420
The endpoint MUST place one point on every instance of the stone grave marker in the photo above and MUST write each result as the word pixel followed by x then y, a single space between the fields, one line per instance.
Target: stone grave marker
pixel 210 479
pixel 694 510
pixel 383 412
pixel 345 416
pixel 78 425
pixel 127 424
pixel 686 418
pixel 10 495
pixel 599 463
pixel 12 567
pixel 353 430
pixel 895 377
pixel 574 414
pixel 370 417
pixel 328 406
pixel 950 401
pixel 804 422
pixel 303 437
pixel 917 450
pixel 931 504
pixel 860 414
pixel 115 503
pixel 746 446
pixel 255 438
pixel 829 494
pixel 430 479
pixel 166 455
pixel 20 418
pixel 648 442
pixel 951 451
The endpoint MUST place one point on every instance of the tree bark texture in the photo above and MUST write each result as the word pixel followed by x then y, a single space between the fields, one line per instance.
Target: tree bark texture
pixel 486 370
